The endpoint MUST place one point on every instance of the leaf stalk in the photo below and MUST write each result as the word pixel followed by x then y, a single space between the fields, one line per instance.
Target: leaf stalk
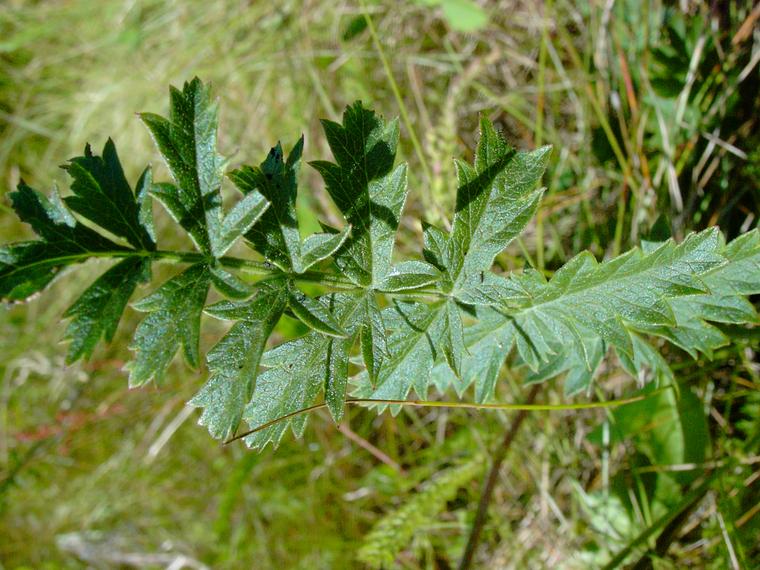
pixel 528 407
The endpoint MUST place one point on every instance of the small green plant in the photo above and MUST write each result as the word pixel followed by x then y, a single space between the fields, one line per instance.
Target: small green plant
pixel 393 532
pixel 378 328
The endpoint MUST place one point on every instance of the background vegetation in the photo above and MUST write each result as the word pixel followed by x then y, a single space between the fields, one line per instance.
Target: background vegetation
pixel 652 108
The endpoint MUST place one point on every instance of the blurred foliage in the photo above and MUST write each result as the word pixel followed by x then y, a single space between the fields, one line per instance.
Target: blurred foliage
pixel 461 15
pixel 652 108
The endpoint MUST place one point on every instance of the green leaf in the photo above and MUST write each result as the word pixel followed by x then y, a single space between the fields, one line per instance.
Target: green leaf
pixel 28 267
pixel 174 319
pixel 187 142
pixel 145 202
pixel 103 196
pixel 240 219
pixel 413 345
pixel 740 276
pixel 409 275
pixel 491 290
pixel 367 190
pixel 583 301
pixel 318 247
pixel 374 347
pixel 313 314
pixel 98 311
pixel 580 357
pixel 630 291
pixel 496 199
pixel 291 385
pixel 453 338
pixel 277 236
pixel 725 303
pixel 234 360
pixel 459 331
pixel 297 371
pixel 336 377
pixel 230 285
pixel 440 252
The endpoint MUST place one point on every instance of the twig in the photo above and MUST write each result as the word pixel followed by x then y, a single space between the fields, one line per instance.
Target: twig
pixel 490 483
pixel 373 450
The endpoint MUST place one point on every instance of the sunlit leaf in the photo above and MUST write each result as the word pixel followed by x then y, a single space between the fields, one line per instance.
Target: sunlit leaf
pixel 174 320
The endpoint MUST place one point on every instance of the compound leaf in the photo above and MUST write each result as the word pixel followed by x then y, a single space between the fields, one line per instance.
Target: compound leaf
pixel 234 360
pixel 367 189
pixel 458 331
pixel 174 320
pixel 187 142
pixel 98 311
pixel 103 196
pixel 725 301
pixel 28 267
pixel 277 236
pixel 496 199
pixel 297 371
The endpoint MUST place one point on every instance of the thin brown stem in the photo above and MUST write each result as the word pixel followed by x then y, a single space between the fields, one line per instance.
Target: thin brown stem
pixel 490 482
pixel 373 450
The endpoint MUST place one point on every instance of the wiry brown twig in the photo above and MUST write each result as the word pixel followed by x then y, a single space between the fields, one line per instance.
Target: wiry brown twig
pixel 490 483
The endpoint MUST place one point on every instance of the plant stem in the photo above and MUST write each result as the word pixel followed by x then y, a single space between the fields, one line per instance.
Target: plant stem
pixel 526 407
pixel 490 483
pixel 245 266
